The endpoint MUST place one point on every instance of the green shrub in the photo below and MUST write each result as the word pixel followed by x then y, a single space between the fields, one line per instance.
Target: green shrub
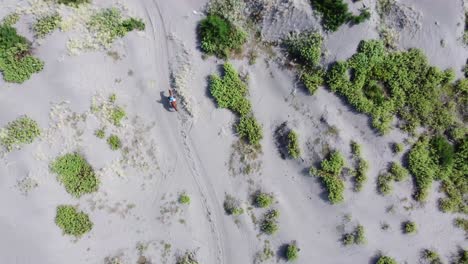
pixel 71 221
pixel 100 133
pixel 398 147
pixel 386 260
pixel 330 172
pixel 312 79
pixel 292 252
pixel 305 48
pixel 461 223
pixel 18 132
pixel 384 183
pixel 187 258
pixel 249 129
pixel 133 24
pixel 263 200
pixel 75 173
pixel 410 227
pixel 114 142
pixel 462 257
pixel 398 172
pixel 112 98
pixel 232 206
pixel 220 37
pixel 16 63
pixel 442 151
pixel 360 174
pixel 184 199
pixel 269 224
pixel 116 115
pixel 293 145
pixel 46 25
pixel 431 256
pixel 11 19
pixel 356 237
pixel 73 2
pixel 335 13
pixel 422 167
pixel 348 239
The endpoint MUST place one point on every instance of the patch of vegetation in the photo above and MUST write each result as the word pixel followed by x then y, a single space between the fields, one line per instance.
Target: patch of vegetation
pixel 263 200
pixel 410 227
pixel 293 145
pixel 398 147
pixel 100 133
pixel 384 183
pixel 266 254
pixel 16 62
pixel 46 25
pixel 220 37
pixel 335 13
pixel 462 257
pixel 431 256
pixel 398 172
pixel 356 237
pixel 383 84
pixel 329 172
pixel 269 224
pixel 11 19
pixel 19 132
pixel 187 258
pixel 465 35
pixel 75 173
pixel 249 129
pixel 71 221
pixel 461 223
pixel 116 115
pixel 114 142
pixel 74 3
pixel 184 199
pixel 386 260
pixel 422 167
pixel 360 174
pixel 112 98
pixel 312 79
pixel 232 206
pixel 292 252
pixel 108 25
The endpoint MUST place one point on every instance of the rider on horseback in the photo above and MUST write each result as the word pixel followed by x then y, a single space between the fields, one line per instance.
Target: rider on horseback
pixel 172 100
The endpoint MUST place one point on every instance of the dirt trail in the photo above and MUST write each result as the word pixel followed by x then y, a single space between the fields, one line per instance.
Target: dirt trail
pixel 178 135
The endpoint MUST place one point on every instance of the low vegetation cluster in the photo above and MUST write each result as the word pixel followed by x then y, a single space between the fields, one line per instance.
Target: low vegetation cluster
pixel 263 200
pixel 16 62
pixel 19 132
pixel 335 13
pixel 292 252
pixel 269 224
pixel 114 142
pixel 356 237
pixel 232 205
pixel 330 173
pixel 74 3
pixel 293 145
pixel 360 173
pixel 71 221
pixel 75 173
pixel 46 24
pixel 396 173
pixel 184 199
pixel 230 92
pixel 410 227
pixel 386 260
pixel 187 258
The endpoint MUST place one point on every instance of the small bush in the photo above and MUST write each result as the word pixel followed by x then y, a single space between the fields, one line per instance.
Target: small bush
pixel 220 37
pixel 116 115
pixel 360 174
pixel 312 79
pixel 293 145
pixel 292 252
pixel 263 200
pixel 431 256
pixel 384 183
pixel 386 260
pixel 11 19
pixel 18 132
pixel 47 24
pixel 114 142
pixel 461 223
pixel 398 147
pixel 112 98
pixel 348 239
pixel 75 173
pixel 306 48
pixel 364 15
pixel 187 258
pixel 100 133
pixel 330 174
pixel 269 224
pixel 422 167
pixel 398 172
pixel 184 199
pixel 335 13
pixel 73 2
pixel 356 237
pixel 409 227
pixel 71 221
pixel 249 129
pixel 232 206
pixel 442 151
pixel 133 24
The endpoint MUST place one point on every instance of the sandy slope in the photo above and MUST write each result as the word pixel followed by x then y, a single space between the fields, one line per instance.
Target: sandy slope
pixel 192 153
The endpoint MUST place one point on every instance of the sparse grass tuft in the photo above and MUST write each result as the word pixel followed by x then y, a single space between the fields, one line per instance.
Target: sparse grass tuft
pixel 360 174
pixel 330 172
pixel 461 223
pixel 293 145
pixel 384 183
pixel 232 206
pixel 356 237
pixel 292 252
pixel 114 142
pixel 116 115
pixel 19 132
pixel 71 221
pixel 269 224
pixel 398 147
pixel 184 199
pixel 410 227
pixel 47 24
pixel 100 133
pixel 11 19
pixel 74 3
pixel 75 173
pixel 249 129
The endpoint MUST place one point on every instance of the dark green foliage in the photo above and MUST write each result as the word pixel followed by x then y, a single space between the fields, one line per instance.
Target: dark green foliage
pixel 383 84
pixel 16 63
pixel 335 13
pixel 462 257
pixel 305 48
pixel 18 132
pixel 356 237
pixel 114 142
pixel 249 129
pixel 398 172
pixel 330 172
pixel 133 24
pixel 73 2
pixel 398 147
pixel 116 115
pixel 410 227
pixel 263 200
pixel 292 252
pixel 312 79
pixel 100 133
pixel 384 183
pixel 431 256
pixel 220 37
pixel 442 151
pixel 46 24
pixel 75 173
pixel 269 224
pixel 360 174
pixel 232 206
pixel 293 145
pixel 422 167
pixel 184 199
pixel 348 239
pixel 386 260
pixel 72 221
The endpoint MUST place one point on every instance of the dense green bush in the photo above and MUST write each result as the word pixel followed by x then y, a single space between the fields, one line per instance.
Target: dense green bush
pixel 75 173
pixel 422 167
pixel 442 151
pixel 293 145
pixel 73 2
pixel 46 24
pixel 184 199
pixel 232 206
pixel 383 84
pixel 305 48
pixel 220 37
pixel 335 13
pixel 386 260
pixel 187 258
pixel 18 132
pixel 114 142
pixel 292 252
pixel 312 79
pixel 116 115
pixel 356 237
pixel 410 227
pixel 72 221
pixel 16 63
pixel 398 147
pixel 269 224
pixel 330 172
pixel 100 133
pixel 249 129
pixel 360 174
pixel 263 200
pixel 384 183
pixel 398 172
pixel 431 256
pixel 133 24
pixel 11 19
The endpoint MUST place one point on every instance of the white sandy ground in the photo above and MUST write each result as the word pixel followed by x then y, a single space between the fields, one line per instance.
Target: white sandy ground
pixel 192 154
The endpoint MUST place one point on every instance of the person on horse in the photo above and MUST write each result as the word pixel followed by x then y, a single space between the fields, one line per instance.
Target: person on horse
pixel 172 100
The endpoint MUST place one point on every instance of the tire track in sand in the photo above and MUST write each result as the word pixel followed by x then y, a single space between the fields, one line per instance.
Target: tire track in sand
pixel 204 187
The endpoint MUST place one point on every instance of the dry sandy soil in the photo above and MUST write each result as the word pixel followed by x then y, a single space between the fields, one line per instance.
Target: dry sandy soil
pixel 135 212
